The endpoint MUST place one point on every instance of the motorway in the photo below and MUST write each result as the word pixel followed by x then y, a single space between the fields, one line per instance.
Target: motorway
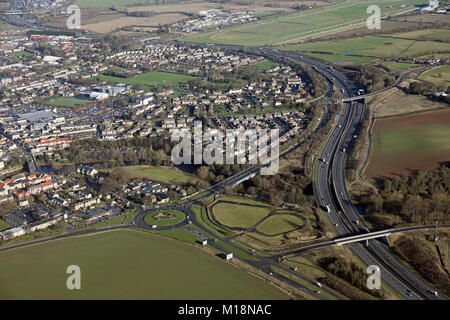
pixel 330 189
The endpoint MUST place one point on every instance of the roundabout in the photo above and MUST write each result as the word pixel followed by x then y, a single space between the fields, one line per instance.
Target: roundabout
pixel 164 218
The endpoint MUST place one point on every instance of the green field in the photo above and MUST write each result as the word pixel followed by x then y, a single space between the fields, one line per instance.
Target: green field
pixel 19 53
pixel 236 215
pixel 426 34
pixel 439 76
pixel 6 26
pixel 302 24
pixel 280 223
pixel 175 217
pixel 66 102
pixel 4 225
pixel 115 3
pixel 410 142
pixel 125 265
pixel 162 174
pixel 150 79
pixel 365 49
pixel 263 65
pixel 401 141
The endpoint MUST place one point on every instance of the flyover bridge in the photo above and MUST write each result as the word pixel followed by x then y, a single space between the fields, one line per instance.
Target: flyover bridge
pixel 363 237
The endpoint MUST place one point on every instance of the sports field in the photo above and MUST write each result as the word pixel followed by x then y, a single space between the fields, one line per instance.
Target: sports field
pixel 150 79
pixel 411 142
pixel 125 265
pixel 297 26
pixel 262 66
pixel 162 174
pixel 19 53
pixel 164 218
pixel 439 76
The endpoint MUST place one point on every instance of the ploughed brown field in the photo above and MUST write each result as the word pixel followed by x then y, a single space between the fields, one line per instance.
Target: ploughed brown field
pixel 412 142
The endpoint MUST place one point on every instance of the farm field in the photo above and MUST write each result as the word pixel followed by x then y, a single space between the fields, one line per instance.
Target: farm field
pixel 162 174
pixel 149 79
pixel 114 3
pixel 365 49
pixel 101 18
pixel 6 26
pixel 296 26
pixel 66 102
pixel 235 214
pixel 164 218
pixel 426 34
pixel 142 266
pixel 280 223
pixel 411 142
pixel 439 76
pixel 106 25
pixel 396 102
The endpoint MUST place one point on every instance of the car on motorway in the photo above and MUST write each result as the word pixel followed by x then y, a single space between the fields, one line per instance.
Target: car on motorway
pixel 409 292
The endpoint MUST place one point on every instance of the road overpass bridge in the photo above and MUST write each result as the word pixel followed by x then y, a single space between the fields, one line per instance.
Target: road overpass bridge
pixel 363 237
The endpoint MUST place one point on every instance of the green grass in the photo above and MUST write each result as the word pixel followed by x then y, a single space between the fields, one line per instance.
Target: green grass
pixel 4 225
pixel 299 25
pixel 439 76
pixel 123 219
pixel 426 34
pixel 19 53
pixel 280 223
pixel 101 18
pixel 66 102
pixel 236 252
pixel 174 218
pixel 150 79
pixel 262 66
pixel 423 138
pixel 6 26
pixel 235 215
pixel 162 174
pixel 125 265
pixel 369 48
pixel 114 3
pixel 202 217
pixel 176 234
